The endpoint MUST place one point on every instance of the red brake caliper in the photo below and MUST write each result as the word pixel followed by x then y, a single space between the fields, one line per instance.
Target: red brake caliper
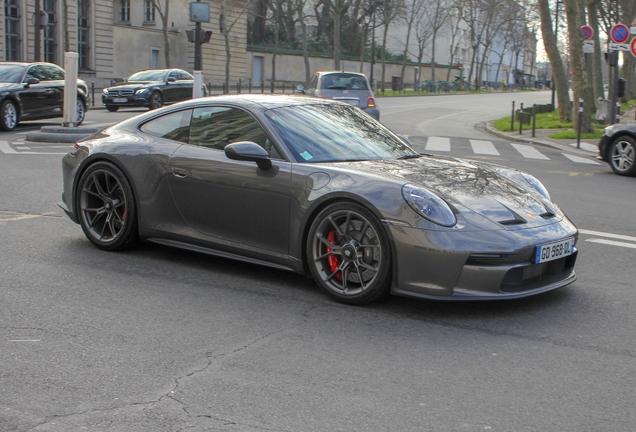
pixel 332 259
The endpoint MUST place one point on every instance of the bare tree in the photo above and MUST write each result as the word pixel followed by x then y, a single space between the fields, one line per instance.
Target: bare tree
pixel 454 21
pixel 300 10
pixel 225 25
pixel 163 7
pixel 412 9
pixel 436 13
pixel 422 35
pixel 388 12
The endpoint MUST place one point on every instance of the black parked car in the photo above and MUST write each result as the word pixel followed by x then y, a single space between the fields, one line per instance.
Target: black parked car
pixel 32 91
pixel 617 147
pixel 150 88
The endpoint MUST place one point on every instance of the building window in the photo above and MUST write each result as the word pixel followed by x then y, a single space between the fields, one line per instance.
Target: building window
pixel 149 11
pixel 83 33
pixel 50 31
pixel 124 10
pixel 12 29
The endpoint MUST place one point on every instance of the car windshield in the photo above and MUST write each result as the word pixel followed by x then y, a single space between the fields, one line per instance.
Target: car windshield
pixel 335 133
pixel 150 75
pixel 11 73
pixel 343 81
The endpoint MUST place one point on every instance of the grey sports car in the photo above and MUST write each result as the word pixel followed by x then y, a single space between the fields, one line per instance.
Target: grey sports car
pixel 320 188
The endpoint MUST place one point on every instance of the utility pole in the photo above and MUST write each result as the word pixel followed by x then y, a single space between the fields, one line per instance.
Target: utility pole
pixel 38 33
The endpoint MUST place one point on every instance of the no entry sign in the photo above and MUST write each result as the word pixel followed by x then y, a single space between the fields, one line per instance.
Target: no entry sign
pixel 632 47
pixel 619 33
pixel 588 32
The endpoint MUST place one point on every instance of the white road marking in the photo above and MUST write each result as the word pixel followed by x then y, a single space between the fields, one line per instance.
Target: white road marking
pixel 484 147
pixel 438 144
pixel 587 147
pixel 529 152
pixel 25 340
pixel 7 149
pixel 613 243
pixel 579 159
pixel 608 235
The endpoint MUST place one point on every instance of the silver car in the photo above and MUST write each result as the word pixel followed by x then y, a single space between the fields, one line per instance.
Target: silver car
pixel 348 87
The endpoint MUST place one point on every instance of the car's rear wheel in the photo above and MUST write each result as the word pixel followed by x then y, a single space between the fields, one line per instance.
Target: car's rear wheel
pixel 8 116
pixel 81 110
pixel 156 100
pixel 349 255
pixel 622 156
pixel 112 108
pixel 106 207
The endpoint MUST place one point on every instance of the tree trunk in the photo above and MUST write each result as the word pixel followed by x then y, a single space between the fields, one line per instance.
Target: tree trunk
pixel 383 56
pixel 580 87
pixel 558 71
pixel 303 28
pixel 406 48
pixel 166 40
pixel 336 40
pixel 597 65
pixel 433 55
pixel 628 70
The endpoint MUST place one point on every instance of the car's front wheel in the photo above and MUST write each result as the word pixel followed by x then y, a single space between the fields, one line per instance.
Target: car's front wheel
pixel 349 255
pixel 156 100
pixel 81 110
pixel 106 207
pixel 622 156
pixel 112 108
pixel 8 116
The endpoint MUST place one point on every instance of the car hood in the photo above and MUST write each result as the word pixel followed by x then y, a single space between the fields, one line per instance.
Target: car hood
pixel 4 86
pixel 470 186
pixel 134 85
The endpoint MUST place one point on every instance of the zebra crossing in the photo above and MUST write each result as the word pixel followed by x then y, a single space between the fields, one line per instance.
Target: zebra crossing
pixel 470 147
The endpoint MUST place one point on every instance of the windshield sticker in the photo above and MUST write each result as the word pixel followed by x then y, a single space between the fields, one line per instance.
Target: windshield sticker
pixel 306 155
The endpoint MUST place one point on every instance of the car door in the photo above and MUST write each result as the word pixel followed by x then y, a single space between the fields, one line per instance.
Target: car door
pixel 55 82
pixel 185 81
pixel 232 201
pixel 171 90
pixel 35 99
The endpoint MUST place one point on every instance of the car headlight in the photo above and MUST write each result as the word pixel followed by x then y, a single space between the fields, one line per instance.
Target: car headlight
pixel 141 91
pixel 105 92
pixel 429 205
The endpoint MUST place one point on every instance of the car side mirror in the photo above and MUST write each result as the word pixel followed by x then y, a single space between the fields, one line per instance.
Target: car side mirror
pixel 249 151
pixel 171 79
pixel 301 89
pixel 31 81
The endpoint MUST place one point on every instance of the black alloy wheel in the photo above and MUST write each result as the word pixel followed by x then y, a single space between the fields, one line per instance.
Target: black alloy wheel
pixel 622 156
pixel 106 207
pixel 112 108
pixel 156 100
pixel 8 116
pixel 349 255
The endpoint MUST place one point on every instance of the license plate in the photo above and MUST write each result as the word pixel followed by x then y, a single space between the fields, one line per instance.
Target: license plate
pixel 353 102
pixel 552 251
pixel 120 100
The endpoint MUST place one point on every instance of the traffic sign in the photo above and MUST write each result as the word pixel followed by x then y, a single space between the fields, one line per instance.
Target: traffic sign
pixel 619 33
pixel 632 47
pixel 588 47
pixel 588 32
pixel 619 47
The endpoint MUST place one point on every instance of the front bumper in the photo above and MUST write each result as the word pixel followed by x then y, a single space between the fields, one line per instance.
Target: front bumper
pixel 603 147
pixel 131 101
pixel 486 265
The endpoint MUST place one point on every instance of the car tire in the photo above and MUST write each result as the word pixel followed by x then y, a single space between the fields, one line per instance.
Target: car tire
pixel 8 116
pixel 112 108
pixel 622 156
pixel 349 255
pixel 106 207
pixel 81 110
pixel 156 100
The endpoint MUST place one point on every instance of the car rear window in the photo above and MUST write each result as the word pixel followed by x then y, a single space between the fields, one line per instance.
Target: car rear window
pixel 343 81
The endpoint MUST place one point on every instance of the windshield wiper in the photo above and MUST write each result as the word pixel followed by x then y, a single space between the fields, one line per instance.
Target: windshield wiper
pixel 410 156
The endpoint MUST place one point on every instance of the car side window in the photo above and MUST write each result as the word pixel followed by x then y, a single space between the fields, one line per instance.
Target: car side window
pixel 55 73
pixel 184 76
pixel 174 126
pixel 36 71
pixel 174 75
pixel 216 127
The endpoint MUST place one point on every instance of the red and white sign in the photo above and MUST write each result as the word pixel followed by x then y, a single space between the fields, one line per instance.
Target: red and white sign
pixel 619 33
pixel 632 29
pixel 588 32
pixel 632 47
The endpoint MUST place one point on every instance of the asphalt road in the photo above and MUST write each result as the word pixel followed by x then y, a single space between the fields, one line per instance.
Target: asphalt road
pixel 157 339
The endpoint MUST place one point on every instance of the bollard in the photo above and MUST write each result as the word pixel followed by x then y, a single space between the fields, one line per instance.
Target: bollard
pixel 209 89
pixel 249 85
pixel 512 118
pixel 521 118
pixel 272 86
pixel 534 120
pixel 262 86
pixel 239 86
pixel 578 135
pixel 224 88
pixel 92 94
pixel 70 89
pixel 283 87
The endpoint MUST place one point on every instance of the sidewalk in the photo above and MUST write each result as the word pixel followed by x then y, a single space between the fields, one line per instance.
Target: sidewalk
pixel 587 147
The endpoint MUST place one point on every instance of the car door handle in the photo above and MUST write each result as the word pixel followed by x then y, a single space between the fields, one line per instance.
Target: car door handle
pixel 181 173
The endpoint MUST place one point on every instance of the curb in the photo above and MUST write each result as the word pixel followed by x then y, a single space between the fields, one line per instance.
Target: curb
pixel 60 134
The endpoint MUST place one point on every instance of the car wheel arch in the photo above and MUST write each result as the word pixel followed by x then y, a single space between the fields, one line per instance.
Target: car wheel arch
pixel 326 201
pixel 90 161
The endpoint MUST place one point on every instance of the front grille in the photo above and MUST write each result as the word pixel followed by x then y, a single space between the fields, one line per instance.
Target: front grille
pixel 534 276
pixel 120 93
